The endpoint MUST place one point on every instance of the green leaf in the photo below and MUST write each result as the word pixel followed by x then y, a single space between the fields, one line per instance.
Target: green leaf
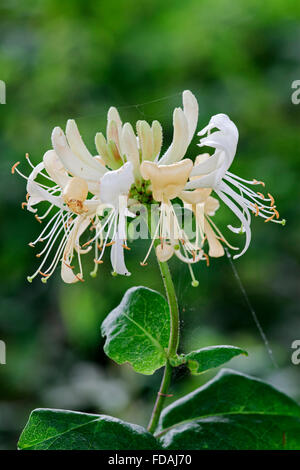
pixel 214 356
pixel 138 330
pixel 230 392
pixel 232 411
pixel 236 432
pixel 68 430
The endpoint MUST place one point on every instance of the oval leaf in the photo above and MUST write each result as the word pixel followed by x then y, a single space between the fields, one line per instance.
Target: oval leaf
pixel 138 330
pixel 69 430
pixel 230 392
pixel 214 356
pixel 236 432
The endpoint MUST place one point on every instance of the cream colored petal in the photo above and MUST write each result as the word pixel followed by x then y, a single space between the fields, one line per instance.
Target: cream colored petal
pixel 157 138
pixel 72 164
pixel 129 146
pixel 113 115
pixel 196 196
pixel 167 180
pixel 190 108
pixel 67 273
pixel 55 168
pixel 215 247
pixel 211 205
pixel 180 142
pixel 80 150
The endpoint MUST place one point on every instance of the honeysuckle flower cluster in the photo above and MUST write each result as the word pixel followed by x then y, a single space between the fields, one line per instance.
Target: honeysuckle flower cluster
pixel 93 196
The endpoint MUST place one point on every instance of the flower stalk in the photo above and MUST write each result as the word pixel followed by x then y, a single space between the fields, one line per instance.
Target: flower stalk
pixel 173 343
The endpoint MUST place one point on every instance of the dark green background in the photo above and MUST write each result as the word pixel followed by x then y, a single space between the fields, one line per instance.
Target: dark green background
pixel 74 59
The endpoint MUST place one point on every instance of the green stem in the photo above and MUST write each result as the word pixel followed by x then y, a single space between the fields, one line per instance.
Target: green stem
pixel 173 344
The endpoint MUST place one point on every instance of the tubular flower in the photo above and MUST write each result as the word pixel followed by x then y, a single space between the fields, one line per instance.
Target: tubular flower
pixel 92 197
pixel 212 172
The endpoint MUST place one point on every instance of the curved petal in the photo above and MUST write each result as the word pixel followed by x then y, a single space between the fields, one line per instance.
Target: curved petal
pixel 79 148
pixel 117 257
pixel 180 142
pixel 216 249
pixel 55 168
pixel 210 164
pixel 190 109
pixel 224 139
pixel 73 164
pixel 210 180
pixel 116 183
pixel 129 146
pixel 38 194
pixel 241 217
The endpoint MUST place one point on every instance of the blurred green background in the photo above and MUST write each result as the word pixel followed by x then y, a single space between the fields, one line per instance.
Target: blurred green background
pixel 74 59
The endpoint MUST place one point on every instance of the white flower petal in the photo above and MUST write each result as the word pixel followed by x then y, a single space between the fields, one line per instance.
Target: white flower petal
pixel 55 168
pixel 116 183
pixel 180 142
pixel 241 217
pixel 38 194
pixel 208 181
pixel 190 108
pixel 79 148
pixel 129 146
pixel 117 257
pixel 72 163
pixel 212 163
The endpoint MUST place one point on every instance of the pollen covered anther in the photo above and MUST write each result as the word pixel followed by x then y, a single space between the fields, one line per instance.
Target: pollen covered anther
pixel 271 199
pixel 270 218
pixel 259 182
pixel 14 167
pixel 43 274
pixel 207 258
pixel 256 212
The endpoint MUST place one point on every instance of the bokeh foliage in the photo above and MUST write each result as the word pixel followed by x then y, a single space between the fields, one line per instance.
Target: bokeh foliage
pixel 74 59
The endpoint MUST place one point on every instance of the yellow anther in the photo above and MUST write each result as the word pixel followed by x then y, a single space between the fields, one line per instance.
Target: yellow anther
pixel 271 199
pixel 37 218
pixel 270 218
pixel 207 258
pixel 43 274
pixel 24 204
pixel 68 265
pixel 110 243
pixel 259 182
pixel 14 167
pixel 261 195
pixel 256 209
pixel 276 213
